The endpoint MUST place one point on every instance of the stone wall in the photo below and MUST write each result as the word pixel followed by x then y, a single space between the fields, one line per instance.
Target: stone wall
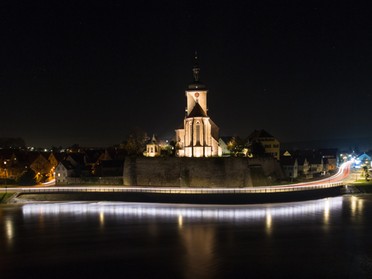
pixel 200 172
pixel 114 180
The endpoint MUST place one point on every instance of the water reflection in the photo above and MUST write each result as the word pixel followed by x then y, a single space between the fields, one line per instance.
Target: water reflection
pixel 9 231
pixel 188 241
pixel 199 243
pixel 102 219
pixel 356 206
pixel 180 221
pixel 268 221
pixel 241 213
pixel 326 212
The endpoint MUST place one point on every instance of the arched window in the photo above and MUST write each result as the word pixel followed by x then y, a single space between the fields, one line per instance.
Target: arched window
pixel 197 132
pixel 189 133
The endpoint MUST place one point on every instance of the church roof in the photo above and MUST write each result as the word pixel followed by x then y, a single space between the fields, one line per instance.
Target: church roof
pixel 214 130
pixel 287 160
pixel 256 134
pixel 197 111
pixel 67 165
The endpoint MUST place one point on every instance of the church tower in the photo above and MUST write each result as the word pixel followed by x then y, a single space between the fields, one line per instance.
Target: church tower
pixel 199 135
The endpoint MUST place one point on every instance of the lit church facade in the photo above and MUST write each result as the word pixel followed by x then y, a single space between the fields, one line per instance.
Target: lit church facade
pixel 199 135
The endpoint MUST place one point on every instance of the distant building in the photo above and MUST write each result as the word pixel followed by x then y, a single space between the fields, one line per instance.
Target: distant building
pixel 224 145
pixel 42 167
pixel 311 163
pixel 303 166
pixel 316 165
pixel 152 148
pixel 198 136
pixel 363 160
pixel 64 170
pixel 290 166
pixel 331 155
pixel 270 144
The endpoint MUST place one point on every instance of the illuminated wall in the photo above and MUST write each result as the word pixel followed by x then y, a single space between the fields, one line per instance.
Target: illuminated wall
pixel 199 172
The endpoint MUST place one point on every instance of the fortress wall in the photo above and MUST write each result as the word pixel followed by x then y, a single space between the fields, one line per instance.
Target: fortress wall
pixel 264 171
pixel 197 172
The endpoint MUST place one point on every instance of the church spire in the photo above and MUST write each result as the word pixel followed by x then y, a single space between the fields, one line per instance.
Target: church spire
pixel 196 69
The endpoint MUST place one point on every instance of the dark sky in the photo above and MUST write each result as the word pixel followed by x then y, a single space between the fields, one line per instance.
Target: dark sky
pixel 88 71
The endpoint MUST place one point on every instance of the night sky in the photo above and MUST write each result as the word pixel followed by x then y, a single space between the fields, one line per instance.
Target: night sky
pixel 87 72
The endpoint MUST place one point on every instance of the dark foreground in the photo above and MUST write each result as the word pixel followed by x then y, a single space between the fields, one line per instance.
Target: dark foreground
pixel 326 238
pixel 252 198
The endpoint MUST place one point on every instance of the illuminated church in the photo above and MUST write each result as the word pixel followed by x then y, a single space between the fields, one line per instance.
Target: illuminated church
pixel 199 135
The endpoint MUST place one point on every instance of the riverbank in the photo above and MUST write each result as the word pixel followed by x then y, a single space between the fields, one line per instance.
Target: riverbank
pixel 361 187
pixel 5 197
pixel 187 198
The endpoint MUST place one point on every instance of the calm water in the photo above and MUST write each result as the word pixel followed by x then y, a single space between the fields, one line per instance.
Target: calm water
pixel 325 238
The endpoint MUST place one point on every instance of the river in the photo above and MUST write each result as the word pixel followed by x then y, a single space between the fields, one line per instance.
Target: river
pixel 327 238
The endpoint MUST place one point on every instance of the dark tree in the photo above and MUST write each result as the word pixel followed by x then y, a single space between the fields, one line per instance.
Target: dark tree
pixel 18 143
pixel 135 143
pixel 27 178
pixel 236 145
pixel 257 149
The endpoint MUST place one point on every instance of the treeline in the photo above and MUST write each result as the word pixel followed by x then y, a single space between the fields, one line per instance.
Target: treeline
pixel 12 143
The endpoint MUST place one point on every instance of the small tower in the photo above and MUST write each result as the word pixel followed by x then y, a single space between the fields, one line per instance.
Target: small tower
pixel 152 148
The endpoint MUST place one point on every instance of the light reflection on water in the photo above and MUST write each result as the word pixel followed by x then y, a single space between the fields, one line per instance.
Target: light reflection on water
pixel 187 241
pixel 267 212
pixel 9 230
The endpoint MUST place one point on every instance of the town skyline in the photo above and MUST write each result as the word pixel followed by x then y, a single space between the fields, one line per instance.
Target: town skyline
pixel 87 74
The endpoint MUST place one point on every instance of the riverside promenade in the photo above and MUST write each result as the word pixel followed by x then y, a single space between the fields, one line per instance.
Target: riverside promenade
pixel 330 186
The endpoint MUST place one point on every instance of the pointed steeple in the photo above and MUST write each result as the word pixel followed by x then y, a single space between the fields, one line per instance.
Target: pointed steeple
pixel 196 84
pixel 153 139
pixel 196 69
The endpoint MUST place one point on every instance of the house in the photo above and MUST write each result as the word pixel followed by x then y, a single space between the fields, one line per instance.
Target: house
pixel 64 170
pixel 224 144
pixel 316 164
pixel 303 166
pixel 54 159
pixel 270 144
pixel 332 158
pixel 78 160
pixel 41 166
pixel 290 166
pixel 107 154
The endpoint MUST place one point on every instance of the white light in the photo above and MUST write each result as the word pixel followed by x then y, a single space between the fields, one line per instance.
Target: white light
pixel 268 221
pixel 326 211
pixel 102 218
pixel 9 230
pixel 180 212
pixel 180 221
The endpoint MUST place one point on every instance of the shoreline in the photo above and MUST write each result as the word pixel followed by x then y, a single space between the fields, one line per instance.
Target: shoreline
pixel 183 198
pixel 180 198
